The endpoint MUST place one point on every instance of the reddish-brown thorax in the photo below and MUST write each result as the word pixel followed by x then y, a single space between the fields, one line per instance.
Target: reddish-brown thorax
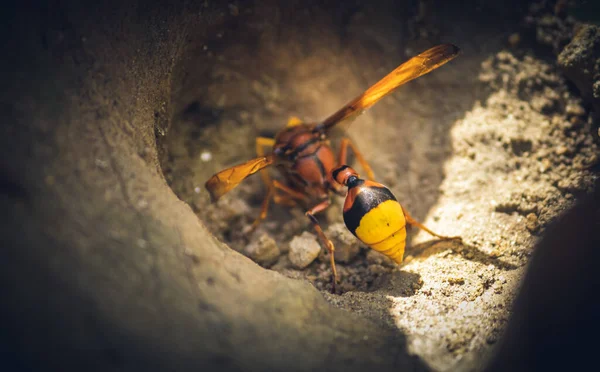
pixel 306 160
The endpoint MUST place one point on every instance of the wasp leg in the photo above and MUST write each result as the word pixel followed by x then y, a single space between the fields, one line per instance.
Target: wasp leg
pixel 344 154
pixel 285 200
pixel 288 190
pixel 261 143
pixel 411 221
pixel 263 208
pixel 326 242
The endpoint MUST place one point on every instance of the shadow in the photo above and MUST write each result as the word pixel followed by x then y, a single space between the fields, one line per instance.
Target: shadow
pixel 424 250
pixel 398 284
pixel 200 115
pixel 375 303
pixel 554 317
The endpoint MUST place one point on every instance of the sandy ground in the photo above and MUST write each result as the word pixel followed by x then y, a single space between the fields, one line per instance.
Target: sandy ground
pixel 491 147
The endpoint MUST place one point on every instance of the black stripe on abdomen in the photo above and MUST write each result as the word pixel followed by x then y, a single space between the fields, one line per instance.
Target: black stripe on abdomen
pixel 367 199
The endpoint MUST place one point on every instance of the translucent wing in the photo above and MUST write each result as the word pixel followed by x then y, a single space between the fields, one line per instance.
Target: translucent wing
pixel 409 70
pixel 225 180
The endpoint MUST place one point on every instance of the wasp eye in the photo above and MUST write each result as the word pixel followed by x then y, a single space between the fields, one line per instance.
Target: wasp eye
pixel 352 181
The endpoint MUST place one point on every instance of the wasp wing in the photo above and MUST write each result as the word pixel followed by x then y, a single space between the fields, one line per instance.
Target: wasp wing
pixel 417 66
pixel 225 180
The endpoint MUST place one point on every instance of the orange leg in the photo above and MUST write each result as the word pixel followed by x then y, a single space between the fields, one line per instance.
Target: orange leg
pixel 344 154
pixel 411 221
pixel 288 190
pixel 261 143
pixel 287 199
pixel 263 208
pixel 326 242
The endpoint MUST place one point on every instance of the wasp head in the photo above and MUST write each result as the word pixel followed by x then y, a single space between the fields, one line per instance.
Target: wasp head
pixel 346 176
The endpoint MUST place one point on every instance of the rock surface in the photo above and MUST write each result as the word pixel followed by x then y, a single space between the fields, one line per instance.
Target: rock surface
pixel 580 61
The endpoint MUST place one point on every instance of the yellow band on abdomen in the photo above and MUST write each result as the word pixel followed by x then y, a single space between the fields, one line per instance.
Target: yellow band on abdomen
pixel 383 228
pixel 393 246
pixel 380 222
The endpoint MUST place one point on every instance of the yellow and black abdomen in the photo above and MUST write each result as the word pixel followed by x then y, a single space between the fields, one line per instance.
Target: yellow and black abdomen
pixel 373 215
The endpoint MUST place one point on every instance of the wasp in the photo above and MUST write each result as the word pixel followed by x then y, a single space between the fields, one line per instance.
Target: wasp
pixel 372 213
pixel 303 155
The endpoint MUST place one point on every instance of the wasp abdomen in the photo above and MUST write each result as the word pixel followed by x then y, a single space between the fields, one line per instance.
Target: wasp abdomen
pixel 374 216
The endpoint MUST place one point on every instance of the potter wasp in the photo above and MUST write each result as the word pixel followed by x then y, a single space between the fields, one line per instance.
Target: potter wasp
pixel 374 216
pixel 302 152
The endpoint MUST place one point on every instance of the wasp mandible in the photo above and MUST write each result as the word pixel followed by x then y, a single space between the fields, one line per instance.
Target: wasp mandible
pixel 375 217
pixel 302 152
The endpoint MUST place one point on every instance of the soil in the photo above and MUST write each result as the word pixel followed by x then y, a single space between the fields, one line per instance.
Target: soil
pixel 491 147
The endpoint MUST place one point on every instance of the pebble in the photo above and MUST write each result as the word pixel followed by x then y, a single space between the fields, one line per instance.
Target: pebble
pixel 574 109
pixel 304 249
pixel 561 150
pixel 532 222
pixel 456 280
pixel 545 165
pixel 346 245
pixel 263 250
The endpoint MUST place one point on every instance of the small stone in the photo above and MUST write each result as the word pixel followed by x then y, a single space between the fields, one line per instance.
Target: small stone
pixel 263 250
pixel 456 281
pixel 497 287
pixel 304 249
pixel 567 185
pixel 532 222
pixel 561 150
pixel 545 165
pixel 495 253
pixel 542 104
pixel 346 245
pixel 574 109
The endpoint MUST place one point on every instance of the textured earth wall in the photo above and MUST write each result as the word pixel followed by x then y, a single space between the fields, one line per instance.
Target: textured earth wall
pixel 112 261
